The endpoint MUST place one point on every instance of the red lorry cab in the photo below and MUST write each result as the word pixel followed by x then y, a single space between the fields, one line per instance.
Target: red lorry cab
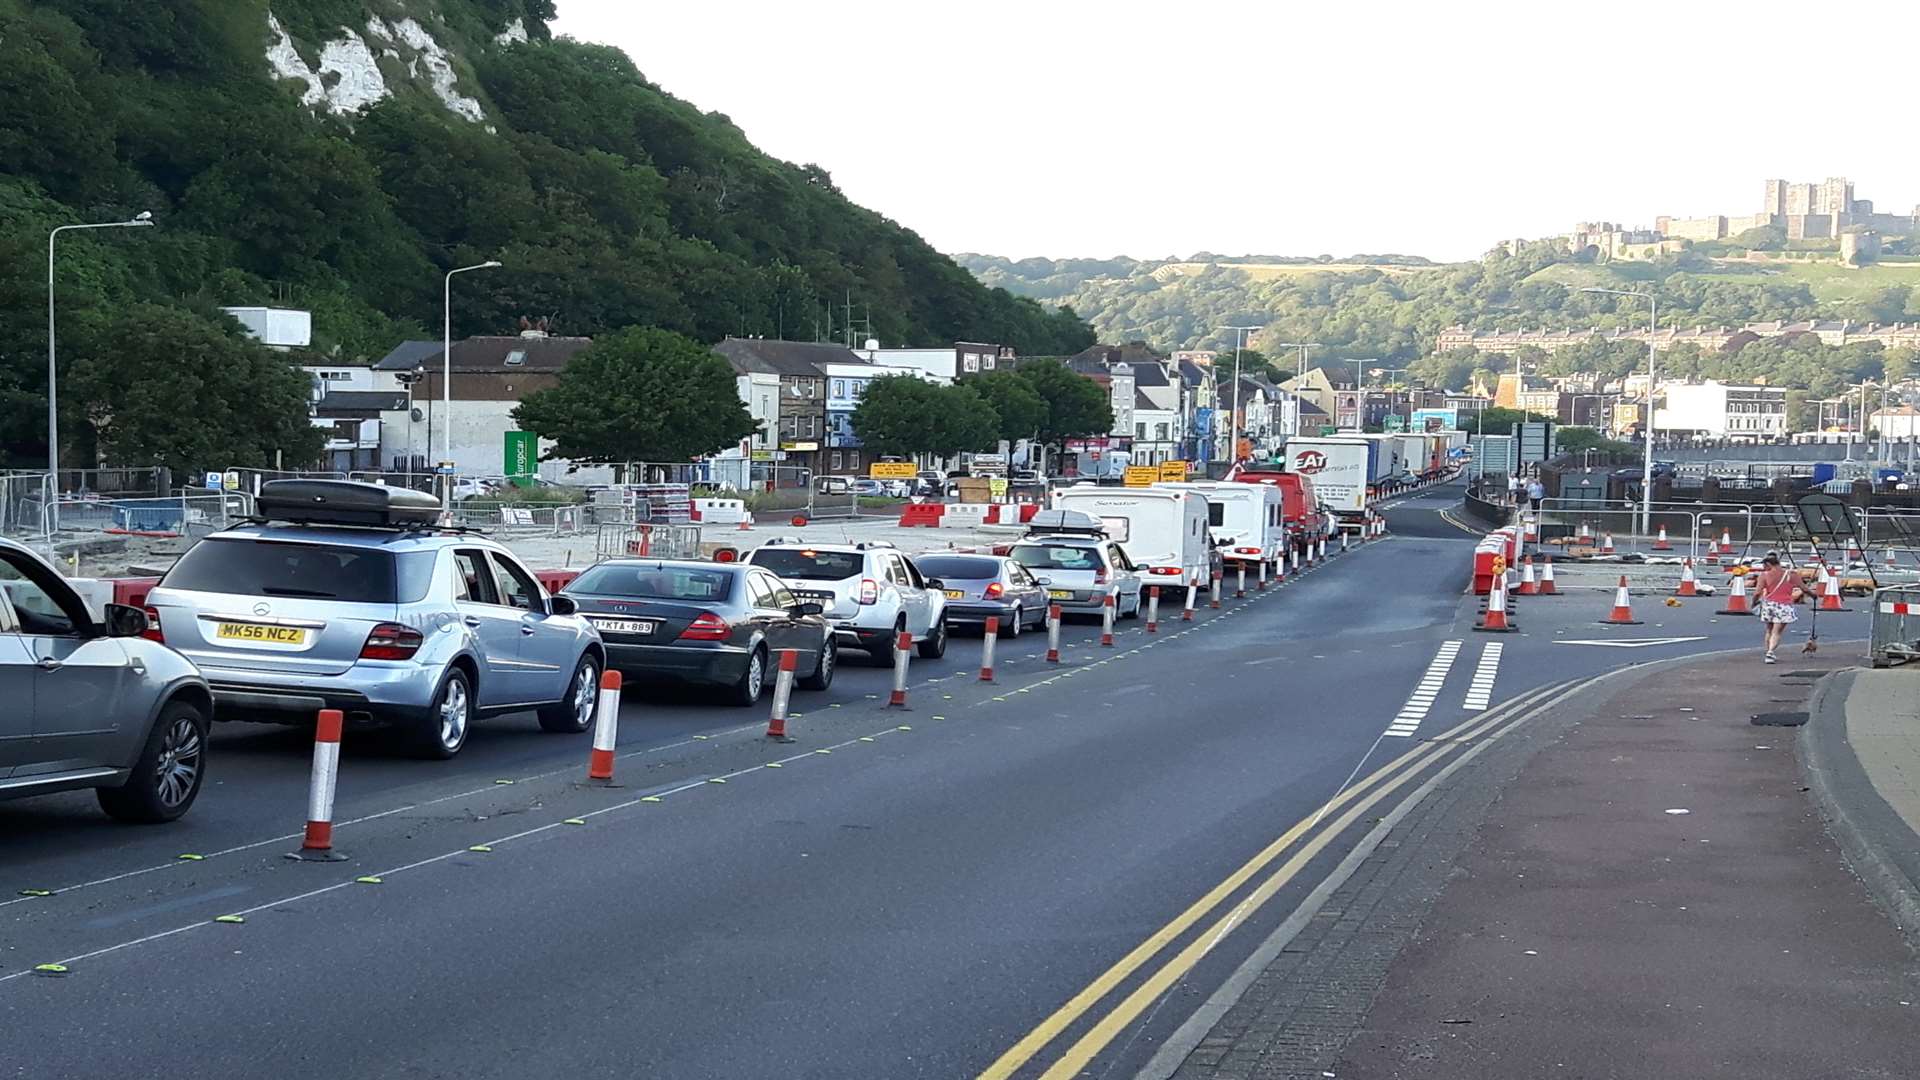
pixel 1297 501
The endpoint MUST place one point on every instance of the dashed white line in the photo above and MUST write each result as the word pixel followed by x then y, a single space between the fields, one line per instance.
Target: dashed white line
pixel 1480 691
pixel 1422 698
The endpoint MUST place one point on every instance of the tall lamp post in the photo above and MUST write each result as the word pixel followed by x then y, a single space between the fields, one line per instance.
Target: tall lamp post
pixel 446 366
pixel 1239 340
pixel 1646 469
pixel 140 220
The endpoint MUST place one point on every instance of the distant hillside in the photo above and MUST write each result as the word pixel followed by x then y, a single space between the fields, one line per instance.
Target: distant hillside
pixel 339 155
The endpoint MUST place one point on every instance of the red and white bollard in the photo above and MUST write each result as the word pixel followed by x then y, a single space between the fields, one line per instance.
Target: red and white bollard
pixel 1240 588
pixel 1323 549
pixel 606 728
pixel 1053 633
pixel 1153 609
pixel 783 695
pixel 1343 541
pixel 1106 619
pixel 902 648
pixel 1193 594
pixel 317 844
pixel 1296 560
pixel 988 638
pixel 1213 596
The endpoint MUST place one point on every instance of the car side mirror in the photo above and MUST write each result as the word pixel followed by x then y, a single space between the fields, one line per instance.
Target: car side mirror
pixel 935 583
pixel 124 621
pixel 562 605
pixel 806 607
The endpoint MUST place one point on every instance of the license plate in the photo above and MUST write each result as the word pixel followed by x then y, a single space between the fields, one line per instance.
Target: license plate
pixel 277 635
pixel 956 594
pixel 624 626
pixel 1059 594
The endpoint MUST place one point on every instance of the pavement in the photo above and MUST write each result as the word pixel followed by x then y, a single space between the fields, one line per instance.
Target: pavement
pixel 1055 874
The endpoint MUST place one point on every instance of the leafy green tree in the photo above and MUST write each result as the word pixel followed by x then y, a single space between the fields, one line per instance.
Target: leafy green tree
pixel 640 394
pixel 965 421
pixel 1573 440
pixel 1501 421
pixel 1020 409
pixel 158 385
pixel 895 415
pixel 1899 364
pixel 1076 405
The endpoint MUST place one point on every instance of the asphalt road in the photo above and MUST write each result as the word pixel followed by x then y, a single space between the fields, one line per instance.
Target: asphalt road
pixel 932 896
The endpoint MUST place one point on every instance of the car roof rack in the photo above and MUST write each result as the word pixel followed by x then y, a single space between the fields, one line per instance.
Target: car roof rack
pixel 347 503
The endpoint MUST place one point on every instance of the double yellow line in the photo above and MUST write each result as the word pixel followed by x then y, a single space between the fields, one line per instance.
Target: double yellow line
pixel 1357 799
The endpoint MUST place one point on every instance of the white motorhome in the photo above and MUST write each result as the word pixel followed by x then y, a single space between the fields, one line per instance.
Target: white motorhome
pixel 1248 521
pixel 1163 530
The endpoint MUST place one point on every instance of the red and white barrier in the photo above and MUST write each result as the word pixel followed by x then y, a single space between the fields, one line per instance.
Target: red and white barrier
pixel 1240 589
pixel 606 728
pixel 782 695
pixel 1213 594
pixel 1153 609
pixel 317 843
pixel 1186 611
pixel 1053 633
pixel 987 641
pixel 902 648
pixel 1106 619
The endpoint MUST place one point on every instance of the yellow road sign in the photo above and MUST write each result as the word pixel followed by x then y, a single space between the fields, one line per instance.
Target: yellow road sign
pixel 892 470
pixel 1141 475
pixel 1173 470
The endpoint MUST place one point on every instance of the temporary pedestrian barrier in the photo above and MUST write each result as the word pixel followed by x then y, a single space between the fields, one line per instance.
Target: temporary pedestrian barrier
pixel 922 514
pixel 554 580
pixel 316 845
pixel 1186 612
pixel 1240 589
pixel 1661 543
pixel 606 728
pixel 1494 619
pixel 964 515
pixel 1894 634
pixel 1053 633
pixel 1622 607
pixel 987 639
pixel 902 648
pixel 783 695
pixel 1213 595
pixel 1737 597
pixel 1689 586
pixel 1106 618
pixel 1830 600
pixel 1546 577
pixel 1153 609
pixel 1526 578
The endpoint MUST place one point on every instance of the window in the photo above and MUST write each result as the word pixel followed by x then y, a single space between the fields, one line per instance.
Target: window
pixel 839 388
pixel 836 461
pixel 1160 432
pixel 653 582
pixel 782 597
pixel 896 569
pixel 760 589
pixel 310 571
pixel 1140 431
pixel 35 609
pixel 806 564
pixel 473 581
pixel 517 587
pixel 1216 513
pixel 517 358
pixel 859 387
pixel 853 459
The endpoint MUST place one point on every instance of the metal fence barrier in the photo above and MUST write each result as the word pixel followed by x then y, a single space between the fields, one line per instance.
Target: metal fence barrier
pixel 1895 638
pixel 619 540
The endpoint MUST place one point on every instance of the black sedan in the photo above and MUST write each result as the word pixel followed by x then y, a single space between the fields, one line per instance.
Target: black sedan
pixel 982 586
pixel 715 623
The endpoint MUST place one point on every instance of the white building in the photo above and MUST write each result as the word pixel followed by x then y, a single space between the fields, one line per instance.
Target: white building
pixel 1901 424
pixel 277 328
pixel 942 365
pixel 1718 410
pixel 846 384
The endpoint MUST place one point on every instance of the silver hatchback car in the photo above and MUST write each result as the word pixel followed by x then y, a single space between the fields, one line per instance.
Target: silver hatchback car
pixel 349 598
pixel 90 705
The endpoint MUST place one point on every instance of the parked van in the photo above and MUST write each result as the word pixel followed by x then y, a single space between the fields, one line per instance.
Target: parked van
pixel 1301 511
pixel 1248 522
pixel 1163 529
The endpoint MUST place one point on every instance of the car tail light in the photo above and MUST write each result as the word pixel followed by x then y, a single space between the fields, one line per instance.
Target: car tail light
pixel 391 641
pixel 1165 571
pixel 995 589
pixel 706 626
pixel 869 591
pixel 1100 576
pixel 153 626
pixel 1246 551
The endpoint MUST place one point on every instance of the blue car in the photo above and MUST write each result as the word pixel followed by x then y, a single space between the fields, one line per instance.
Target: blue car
pixel 980 587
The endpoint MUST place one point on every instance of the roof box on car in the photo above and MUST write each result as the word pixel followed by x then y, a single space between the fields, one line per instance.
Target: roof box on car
pixel 346 502
pixel 1065 521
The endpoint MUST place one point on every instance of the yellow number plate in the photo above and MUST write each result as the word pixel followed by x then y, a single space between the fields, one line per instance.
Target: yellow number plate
pixel 1060 594
pixel 955 594
pixel 278 635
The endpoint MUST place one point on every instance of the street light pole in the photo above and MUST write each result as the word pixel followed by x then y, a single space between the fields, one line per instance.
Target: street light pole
pixel 142 219
pixel 1646 469
pixel 1239 340
pixel 446 362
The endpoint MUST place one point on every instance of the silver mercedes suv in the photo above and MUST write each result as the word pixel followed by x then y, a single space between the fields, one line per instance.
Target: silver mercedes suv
pixel 348 597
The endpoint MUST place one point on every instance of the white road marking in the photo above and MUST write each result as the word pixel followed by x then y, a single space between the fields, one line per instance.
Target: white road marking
pixel 1480 691
pixel 1632 643
pixel 1422 698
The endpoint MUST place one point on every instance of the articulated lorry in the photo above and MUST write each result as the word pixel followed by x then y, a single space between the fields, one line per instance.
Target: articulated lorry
pixel 1343 471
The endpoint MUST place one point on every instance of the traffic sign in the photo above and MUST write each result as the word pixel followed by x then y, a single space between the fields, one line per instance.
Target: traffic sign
pixel 1173 470
pixel 1141 475
pixel 892 470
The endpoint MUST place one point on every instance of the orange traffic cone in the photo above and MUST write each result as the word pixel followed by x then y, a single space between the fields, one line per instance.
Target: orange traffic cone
pixel 1606 543
pixel 1661 544
pixel 1546 577
pixel 1494 619
pixel 1891 561
pixel 1688 586
pixel 1830 600
pixel 1622 607
pixel 1854 554
pixel 1726 543
pixel 1737 598
pixel 1586 533
pixel 1526 586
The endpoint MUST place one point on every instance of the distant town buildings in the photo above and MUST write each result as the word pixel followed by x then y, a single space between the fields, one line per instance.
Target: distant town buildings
pixel 1717 410
pixel 1803 211
pixel 1829 331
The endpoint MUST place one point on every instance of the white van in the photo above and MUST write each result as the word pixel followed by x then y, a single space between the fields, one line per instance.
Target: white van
pixel 1162 529
pixel 1248 521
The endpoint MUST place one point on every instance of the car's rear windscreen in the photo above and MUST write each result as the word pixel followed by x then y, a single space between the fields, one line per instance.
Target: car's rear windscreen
pixel 1046 557
pixel 354 575
pixel 958 567
pixel 646 582
pixel 806 564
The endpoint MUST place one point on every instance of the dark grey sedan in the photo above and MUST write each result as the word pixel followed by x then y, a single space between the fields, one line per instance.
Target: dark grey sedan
pixel 722 624
pixel 980 587
pixel 89 704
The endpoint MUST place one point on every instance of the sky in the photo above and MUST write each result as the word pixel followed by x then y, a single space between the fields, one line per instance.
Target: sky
pixel 1287 128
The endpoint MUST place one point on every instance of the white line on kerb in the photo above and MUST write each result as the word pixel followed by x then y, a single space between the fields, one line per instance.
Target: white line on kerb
pixel 1480 693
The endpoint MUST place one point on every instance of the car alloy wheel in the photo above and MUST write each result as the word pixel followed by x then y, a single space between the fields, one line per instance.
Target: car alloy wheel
pixel 1015 621
pixel 454 715
pixel 178 771
pixel 586 694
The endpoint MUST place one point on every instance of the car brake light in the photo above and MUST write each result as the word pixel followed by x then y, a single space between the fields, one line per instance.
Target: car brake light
pixel 869 591
pixel 1165 570
pixel 1100 576
pixel 995 589
pixel 706 626
pixel 153 632
pixel 391 641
